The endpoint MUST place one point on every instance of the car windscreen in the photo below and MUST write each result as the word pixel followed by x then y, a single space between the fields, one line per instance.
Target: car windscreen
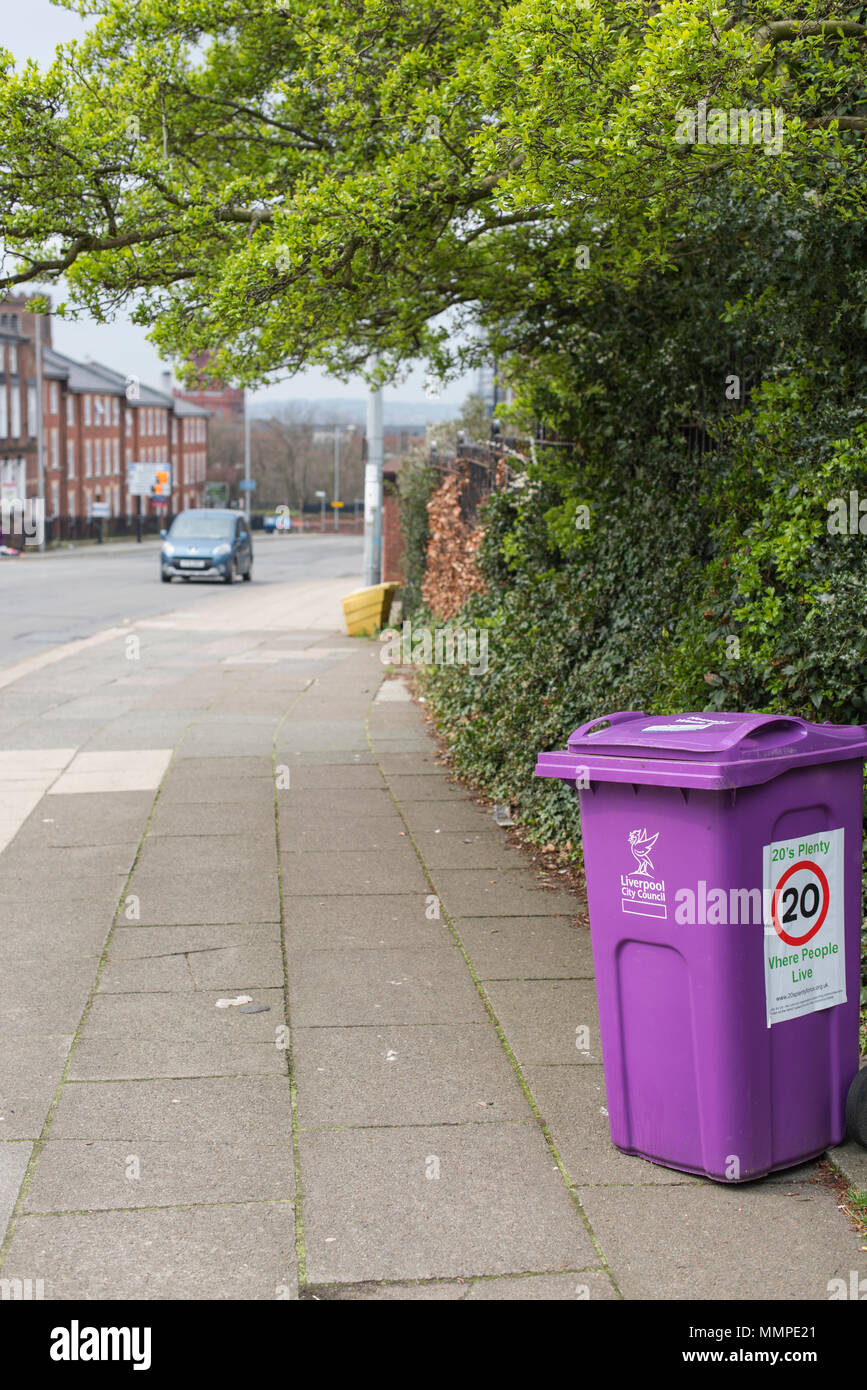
pixel 220 528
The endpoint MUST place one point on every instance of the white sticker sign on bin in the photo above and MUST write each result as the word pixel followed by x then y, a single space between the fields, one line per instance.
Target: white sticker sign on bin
pixel 805 950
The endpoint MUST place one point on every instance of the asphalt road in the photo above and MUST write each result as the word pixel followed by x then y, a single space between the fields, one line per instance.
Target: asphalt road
pixel 46 600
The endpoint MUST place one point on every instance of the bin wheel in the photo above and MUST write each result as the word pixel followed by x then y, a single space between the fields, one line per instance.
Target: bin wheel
pixel 856 1109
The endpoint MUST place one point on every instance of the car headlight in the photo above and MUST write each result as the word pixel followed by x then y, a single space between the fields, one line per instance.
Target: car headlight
pixel 221 550
pixel 168 549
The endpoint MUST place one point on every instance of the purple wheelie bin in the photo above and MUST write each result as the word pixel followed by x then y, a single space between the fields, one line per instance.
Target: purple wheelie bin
pixel 723 860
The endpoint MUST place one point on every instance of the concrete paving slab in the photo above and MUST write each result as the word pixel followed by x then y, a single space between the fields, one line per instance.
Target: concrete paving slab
pixel 130 770
pixel 97 1175
pixel 501 893
pixel 242 740
pixel 450 816
pixel 79 925
pixel 346 777
pixel 230 1252
pixel 365 803
pixel 411 764
pixel 69 864
pixel 14 1159
pixel 314 874
pixel 227 968
pixel 415 787
pixel 404 1075
pixel 214 818
pixel 238 791
pixel 541 1019
pixel 706 1241
pixel 498 1206
pixel 191 770
pixel 31 1071
pixel 206 895
pixel 430 1291
pixel 134 942
pixel 184 1016
pixel 170 856
pixel 337 988
pixel 179 1109
pixel 527 948
pixel 140 1059
pixel 587 1285
pixel 92 819
pixel 572 1102
pixel 468 849
pixel 293 757
pixel 393 921
pixel 47 1001
pixel 322 735
pixel 299 836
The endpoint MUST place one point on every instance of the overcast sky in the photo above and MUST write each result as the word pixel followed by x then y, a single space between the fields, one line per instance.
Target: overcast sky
pixel 32 30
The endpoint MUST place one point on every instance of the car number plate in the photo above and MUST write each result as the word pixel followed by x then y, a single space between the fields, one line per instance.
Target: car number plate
pixel 192 564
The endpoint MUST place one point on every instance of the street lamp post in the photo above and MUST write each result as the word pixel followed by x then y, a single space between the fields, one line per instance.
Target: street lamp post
pixel 40 444
pixel 373 489
pixel 321 496
pixel 246 456
pixel 336 476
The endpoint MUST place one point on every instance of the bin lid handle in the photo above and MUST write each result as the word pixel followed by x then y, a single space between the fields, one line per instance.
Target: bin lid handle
pixel 616 718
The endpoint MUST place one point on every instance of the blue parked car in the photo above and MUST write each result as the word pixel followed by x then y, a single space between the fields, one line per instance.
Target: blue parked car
pixel 209 542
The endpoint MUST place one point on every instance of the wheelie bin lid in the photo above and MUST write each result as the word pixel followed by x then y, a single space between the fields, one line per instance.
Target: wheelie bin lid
pixel 714 750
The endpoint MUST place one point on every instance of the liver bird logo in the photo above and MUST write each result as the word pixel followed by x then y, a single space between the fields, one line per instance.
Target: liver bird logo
pixel 642 844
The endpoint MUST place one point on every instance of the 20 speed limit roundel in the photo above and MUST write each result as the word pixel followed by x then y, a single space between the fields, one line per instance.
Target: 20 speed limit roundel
pixel 800 902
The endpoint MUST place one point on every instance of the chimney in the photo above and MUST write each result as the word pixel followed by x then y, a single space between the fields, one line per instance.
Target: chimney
pixel 167 381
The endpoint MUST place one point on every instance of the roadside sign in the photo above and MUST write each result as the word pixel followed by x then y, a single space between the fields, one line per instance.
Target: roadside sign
pixel 100 509
pixel 337 504
pixel 140 478
pixel 805 950
pixel 149 480
pixel 247 485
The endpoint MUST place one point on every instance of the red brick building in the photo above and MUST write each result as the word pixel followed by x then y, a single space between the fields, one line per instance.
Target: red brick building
pixel 225 403
pixel 96 421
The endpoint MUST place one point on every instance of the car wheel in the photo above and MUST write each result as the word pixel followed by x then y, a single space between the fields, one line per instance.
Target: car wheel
pixel 230 573
pixel 166 578
pixel 248 573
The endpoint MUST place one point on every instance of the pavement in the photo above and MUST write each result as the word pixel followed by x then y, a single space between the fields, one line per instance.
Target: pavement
pixel 284 1015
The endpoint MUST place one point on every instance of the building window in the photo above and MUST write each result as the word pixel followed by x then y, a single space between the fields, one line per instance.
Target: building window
pixel 87 410
pixel 31 411
pixel 97 460
pixel 115 449
pixel 70 458
pixel 129 421
pixel 55 499
pixel 4 411
pixel 115 411
pixel 13 358
pixel 88 461
pixel 15 411
pixel 55 398
pixel 55 450
pixel 13 323
pixel 70 411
